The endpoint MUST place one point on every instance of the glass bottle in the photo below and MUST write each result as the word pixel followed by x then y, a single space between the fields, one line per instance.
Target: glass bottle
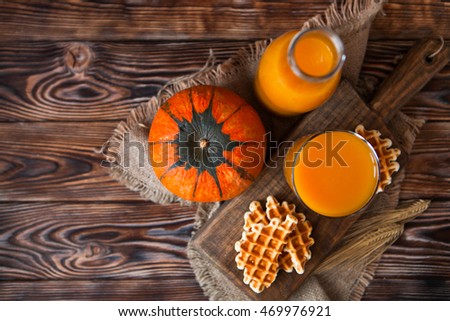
pixel 299 71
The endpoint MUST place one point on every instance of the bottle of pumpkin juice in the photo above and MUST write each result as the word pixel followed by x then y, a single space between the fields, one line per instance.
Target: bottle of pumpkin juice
pixel 299 71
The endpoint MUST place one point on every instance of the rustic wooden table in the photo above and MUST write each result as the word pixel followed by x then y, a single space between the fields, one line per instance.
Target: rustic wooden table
pixel 70 71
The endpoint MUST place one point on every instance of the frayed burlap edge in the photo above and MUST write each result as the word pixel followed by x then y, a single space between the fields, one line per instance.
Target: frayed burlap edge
pixel 350 16
pixel 142 117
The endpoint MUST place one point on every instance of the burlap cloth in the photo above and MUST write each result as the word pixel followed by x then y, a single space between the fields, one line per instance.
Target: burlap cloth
pixel 347 271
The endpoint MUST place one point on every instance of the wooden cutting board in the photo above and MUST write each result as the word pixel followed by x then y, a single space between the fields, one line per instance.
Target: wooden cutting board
pixel 345 110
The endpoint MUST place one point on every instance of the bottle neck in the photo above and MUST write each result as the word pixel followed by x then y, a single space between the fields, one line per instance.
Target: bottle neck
pixel 297 49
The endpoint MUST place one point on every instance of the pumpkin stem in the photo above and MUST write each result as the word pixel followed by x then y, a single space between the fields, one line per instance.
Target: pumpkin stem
pixel 203 143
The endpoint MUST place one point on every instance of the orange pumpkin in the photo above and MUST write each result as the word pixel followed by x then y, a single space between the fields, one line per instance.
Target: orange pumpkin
pixel 206 144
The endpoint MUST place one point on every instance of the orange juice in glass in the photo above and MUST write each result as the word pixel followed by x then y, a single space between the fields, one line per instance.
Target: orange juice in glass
pixel 299 71
pixel 333 173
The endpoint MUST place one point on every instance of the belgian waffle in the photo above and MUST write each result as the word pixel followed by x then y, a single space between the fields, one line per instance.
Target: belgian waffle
pixel 387 156
pixel 296 252
pixel 254 216
pixel 278 238
pixel 259 250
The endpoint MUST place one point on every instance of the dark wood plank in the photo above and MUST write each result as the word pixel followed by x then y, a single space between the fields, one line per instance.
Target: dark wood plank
pixel 412 20
pixel 63 241
pixel 56 161
pixel 103 81
pixel 139 21
pixel 417 266
pixel 388 289
pixel 174 288
pixel 427 174
pixel 227 19
pixel 76 81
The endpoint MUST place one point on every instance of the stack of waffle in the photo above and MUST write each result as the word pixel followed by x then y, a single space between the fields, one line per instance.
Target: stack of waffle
pixel 278 238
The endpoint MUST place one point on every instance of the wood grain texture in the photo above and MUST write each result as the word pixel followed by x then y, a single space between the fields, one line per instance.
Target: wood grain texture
pixel 227 19
pixel 160 20
pixel 417 266
pixel 83 81
pixel 175 288
pixel 412 20
pixel 428 289
pixel 64 241
pixel 56 161
pixel 427 171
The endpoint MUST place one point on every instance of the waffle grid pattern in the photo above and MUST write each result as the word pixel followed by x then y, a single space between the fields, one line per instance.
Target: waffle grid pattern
pixel 275 239
pixel 387 156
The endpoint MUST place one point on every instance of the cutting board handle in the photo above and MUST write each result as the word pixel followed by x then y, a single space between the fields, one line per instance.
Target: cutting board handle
pixel 418 66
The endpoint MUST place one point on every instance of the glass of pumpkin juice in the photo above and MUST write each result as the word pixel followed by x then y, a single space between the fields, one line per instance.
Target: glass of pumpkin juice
pixel 333 173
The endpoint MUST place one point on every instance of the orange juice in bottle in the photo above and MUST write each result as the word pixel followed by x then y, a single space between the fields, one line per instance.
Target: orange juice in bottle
pixel 299 71
pixel 333 173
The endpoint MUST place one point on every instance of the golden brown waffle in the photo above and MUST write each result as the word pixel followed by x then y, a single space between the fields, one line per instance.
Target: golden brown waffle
pixel 296 252
pixel 259 250
pixel 297 247
pixel 278 238
pixel 387 156
pixel 275 209
pixel 254 216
